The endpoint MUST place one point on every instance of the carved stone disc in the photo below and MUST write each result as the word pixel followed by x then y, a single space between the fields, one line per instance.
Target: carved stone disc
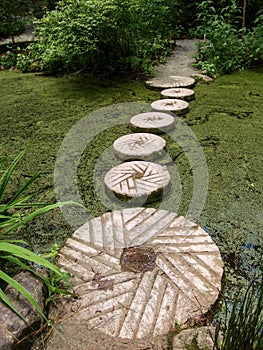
pixel 155 122
pixel 138 179
pixel 139 146
pixel 173 81
pixel 172 105
pixel 180 278
pixel 179 93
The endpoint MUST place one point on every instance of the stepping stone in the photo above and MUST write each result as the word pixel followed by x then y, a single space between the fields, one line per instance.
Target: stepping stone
pixel 171 105
pixel 179 93
pixel 136 272
pixel 138 179
pixel 139 146
pixel 174 81
pixel 152 122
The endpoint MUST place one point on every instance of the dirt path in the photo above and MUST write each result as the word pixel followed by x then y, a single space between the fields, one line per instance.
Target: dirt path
pixel 180 63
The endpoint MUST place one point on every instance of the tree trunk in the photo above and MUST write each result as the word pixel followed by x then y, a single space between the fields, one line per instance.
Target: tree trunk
pixel 244 14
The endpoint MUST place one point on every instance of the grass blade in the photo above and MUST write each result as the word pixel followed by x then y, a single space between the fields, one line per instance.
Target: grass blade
pixel 5 299
pixel 24 188
pixel 24 220
pixel 26 254
pixel 7 174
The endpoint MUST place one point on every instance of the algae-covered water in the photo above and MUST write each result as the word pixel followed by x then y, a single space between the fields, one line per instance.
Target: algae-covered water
pixel 226 117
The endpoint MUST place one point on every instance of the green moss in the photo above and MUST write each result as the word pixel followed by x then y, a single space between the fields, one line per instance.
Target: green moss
pixel 40 110
pixel 226 117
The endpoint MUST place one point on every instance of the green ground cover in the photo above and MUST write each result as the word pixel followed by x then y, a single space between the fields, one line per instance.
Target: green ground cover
pixel 226 117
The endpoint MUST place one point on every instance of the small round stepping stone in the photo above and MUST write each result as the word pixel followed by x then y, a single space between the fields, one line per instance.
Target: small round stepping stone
pixel 136 271
pixel 172 105
pixel 179 93
pixel 139 146
pixel 174 81
pixel 138 179
pixel 152 122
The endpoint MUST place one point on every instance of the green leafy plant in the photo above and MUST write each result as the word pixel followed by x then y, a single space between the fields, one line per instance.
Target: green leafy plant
pixel 13 215
pixel 7 60
pixel 226 47
pixel 241 328
pixel 105 36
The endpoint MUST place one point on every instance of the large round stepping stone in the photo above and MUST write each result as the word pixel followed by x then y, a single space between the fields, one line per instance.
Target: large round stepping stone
pixel 179 93
pixel 139 146
pixel 171 105
pixel 173 81
pixel 138 271
pixel 138 179
pixel 152 122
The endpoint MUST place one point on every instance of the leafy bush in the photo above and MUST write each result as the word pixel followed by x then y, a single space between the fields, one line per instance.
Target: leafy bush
pixel 13 214
pixel 108 35
pixel 8 60
pixel 225 47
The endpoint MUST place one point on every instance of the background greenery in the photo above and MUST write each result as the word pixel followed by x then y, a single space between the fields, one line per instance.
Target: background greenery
pixel 114 36
pixel 109 36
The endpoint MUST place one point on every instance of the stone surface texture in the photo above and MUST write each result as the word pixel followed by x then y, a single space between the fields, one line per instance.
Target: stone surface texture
pixel 152 122
pixel 138 179
pixel 139 146
pixel 177 106
pixel 12 326
pixel 173 81
pixel 183 281
pixel 198 338
pixel 179 93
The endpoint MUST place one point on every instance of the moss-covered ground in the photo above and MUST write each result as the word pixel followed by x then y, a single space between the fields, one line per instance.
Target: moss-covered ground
pixel 226 117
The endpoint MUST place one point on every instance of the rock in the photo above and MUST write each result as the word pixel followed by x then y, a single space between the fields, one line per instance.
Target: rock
pixel 152 122
pixel 137 180
pixel 139 146
pixel 173 81
pixel 171 105
pixel 202 78
pixel 179 93
pixel 12 327
pixel 198 338
pixel 135 272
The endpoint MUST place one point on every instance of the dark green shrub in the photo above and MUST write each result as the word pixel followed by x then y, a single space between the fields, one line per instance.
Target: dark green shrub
pixel 226 48
pixel 7 60
pixel 110 35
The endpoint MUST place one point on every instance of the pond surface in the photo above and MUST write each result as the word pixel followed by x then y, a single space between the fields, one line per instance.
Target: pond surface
pixel 226 118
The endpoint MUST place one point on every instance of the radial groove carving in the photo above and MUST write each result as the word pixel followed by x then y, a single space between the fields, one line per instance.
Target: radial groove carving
pixel 139 146
pixel 183 283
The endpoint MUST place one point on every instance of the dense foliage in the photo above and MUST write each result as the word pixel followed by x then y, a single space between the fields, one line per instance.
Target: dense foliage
pixel 11 12
pixel 120 35
pixel 227 46
pixel 16 14
pixel 109 35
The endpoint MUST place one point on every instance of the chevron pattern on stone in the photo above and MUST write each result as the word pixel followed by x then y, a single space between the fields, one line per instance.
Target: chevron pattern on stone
pixel 137 179
pixel 184 282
